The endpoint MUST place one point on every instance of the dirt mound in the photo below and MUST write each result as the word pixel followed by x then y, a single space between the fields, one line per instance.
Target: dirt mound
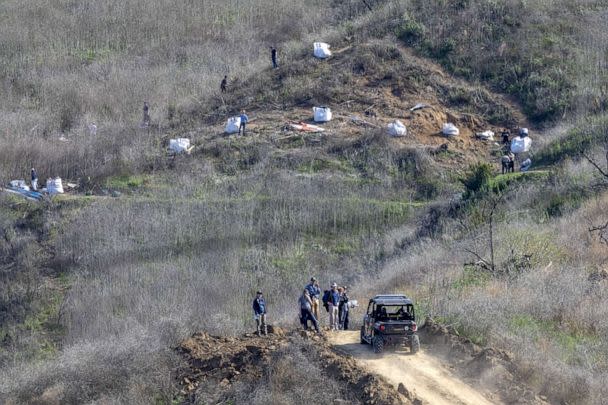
pixel 217 364
pixel 492 368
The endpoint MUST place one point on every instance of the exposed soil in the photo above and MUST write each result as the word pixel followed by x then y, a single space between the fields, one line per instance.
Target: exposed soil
pixel 218 363
pixel 449 369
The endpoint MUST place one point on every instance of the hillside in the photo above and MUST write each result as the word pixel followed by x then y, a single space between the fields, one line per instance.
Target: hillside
pixel 136 286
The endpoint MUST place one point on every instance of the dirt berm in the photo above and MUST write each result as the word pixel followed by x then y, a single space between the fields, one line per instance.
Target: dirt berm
pixel 218 367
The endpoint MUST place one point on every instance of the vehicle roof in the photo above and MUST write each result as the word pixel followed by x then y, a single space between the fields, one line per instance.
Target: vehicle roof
pixel 392 299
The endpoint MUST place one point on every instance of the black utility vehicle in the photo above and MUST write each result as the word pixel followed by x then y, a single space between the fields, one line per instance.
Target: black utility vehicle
pixel 390 321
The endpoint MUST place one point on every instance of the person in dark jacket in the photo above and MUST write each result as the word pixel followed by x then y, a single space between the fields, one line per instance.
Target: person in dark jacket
pixel 146 119
pixel 223 84
pixel 259 313
pixel 343 308
pixel 34 180
pixel 306 311
pixel 273 56
pixel 314 293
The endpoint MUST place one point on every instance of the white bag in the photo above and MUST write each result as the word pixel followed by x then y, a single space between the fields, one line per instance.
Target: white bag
pixel 322 114
pixel 450 129
pixel 233 125
pixel 397 128
pixel 520 145
pixel 321 50
pixel 179 145
pixel 54 186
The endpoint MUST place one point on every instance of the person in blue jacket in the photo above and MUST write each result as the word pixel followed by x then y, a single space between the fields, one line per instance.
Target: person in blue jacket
pixel 244 121
pixel 259 313
pixel 332 299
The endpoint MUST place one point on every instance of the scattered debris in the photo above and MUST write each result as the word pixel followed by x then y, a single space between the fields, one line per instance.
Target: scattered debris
pixel 360 121
pixel 450 129
pixel 321 50
pixel 485 135
pixel 397 128
pixel 419 106
pixel 322 114
pixel 180 145
pixel 304 127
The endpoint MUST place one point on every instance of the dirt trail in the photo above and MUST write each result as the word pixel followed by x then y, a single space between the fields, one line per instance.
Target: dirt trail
pixel 422 374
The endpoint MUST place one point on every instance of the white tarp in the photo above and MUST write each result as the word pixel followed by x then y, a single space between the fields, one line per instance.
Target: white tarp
pixel 486 135
pixel 20 184
pixel 397 128
pixel 54 186
pixel 450 129
pixel 321 50
pixel 525 165
pixel 520 145
pixel 322 114
pixel 179 145
pixel 233 125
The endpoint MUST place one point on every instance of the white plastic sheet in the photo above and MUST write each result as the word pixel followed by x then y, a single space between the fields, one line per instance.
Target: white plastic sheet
pixel 397 128
pixel 321 50
pixel 322 114
pixel 54 186
pixel 20 184
pixel 450 129
pixel 520 145
pixel 233 125
pixel 179 145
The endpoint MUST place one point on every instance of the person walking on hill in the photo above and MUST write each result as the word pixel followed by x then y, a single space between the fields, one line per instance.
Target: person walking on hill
pixel 505 137
pixel 34 180
pixel 306 311
pixel 314 292
pixel 273 56
pixel 332 297
pixel 259 313
pixel 223 84
pixel 244 121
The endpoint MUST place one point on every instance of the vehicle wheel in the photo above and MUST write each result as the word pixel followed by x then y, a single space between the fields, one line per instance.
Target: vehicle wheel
pixel 414 344
pixel 363 342
pixel 378 344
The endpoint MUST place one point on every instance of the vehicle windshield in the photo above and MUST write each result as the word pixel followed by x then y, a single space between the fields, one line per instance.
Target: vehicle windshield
pixel 395 312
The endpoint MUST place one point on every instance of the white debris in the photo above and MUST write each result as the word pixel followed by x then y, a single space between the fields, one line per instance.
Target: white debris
pixel 450 129
pixel 397 128
pixel 321 50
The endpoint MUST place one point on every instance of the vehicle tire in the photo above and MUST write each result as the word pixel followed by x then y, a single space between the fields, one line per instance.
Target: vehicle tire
pixel 414 344
pixel 363 342
pixel 378 344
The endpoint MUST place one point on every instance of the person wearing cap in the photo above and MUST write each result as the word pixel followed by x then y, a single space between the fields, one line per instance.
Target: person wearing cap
pixel 314 292
pixel 333 303
pixel 259 313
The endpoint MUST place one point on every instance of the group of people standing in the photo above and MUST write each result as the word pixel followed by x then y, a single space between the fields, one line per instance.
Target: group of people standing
pixel 335 300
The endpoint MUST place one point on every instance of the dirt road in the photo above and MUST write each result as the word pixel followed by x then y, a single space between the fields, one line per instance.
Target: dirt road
pixel 423 374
